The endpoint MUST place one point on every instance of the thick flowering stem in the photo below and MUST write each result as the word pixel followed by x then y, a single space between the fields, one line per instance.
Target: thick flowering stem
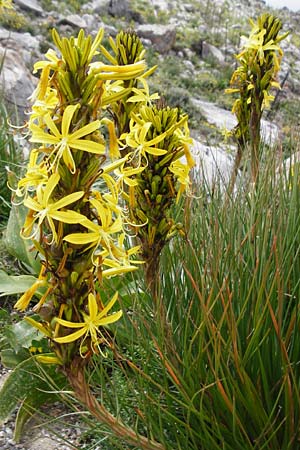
pixel 76 376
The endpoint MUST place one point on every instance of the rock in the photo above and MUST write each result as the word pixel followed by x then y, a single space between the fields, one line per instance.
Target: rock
pixel 162 5
pixel 47 443
pixel 74 20
pixel 99 7
pixel 122 8
pixel 30 5
pixel 16 80
pixel 213 165
pixel 162 37
pixel 92 22
pixel 210 52
pixel 26 45
pixel 224 119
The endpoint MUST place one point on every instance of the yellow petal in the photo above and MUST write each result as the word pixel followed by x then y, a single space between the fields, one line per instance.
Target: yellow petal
pixel 69 324
pixel 71 198
pixel 109 319
pixel 117 271
pixel 93 307
pixel 81 238
pixel 155 151
pixel 70 337
pixel 68 216
pixel 84 131
pixel 108 306
pixel 88 146
pixel 67 118
pixel 38 326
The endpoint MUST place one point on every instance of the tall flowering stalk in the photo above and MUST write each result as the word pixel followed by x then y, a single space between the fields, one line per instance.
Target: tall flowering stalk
pixel 154 143
pixel 77 229
pixel 156 177
pixel 253 81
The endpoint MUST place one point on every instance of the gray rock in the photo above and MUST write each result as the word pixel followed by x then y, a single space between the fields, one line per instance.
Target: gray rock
pixel 162 37
pixel 210 52
pixel 162 5
pixel 16 80
pixel 122 8
pixel 74 20
pixel 214 165
pixel 46 443
pixel 30 5
pixel 224 119
pixel 26 45
pixel 99 6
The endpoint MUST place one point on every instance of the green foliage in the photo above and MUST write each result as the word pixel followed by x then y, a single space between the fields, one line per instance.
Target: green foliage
pixel 14 284
pixel 10 159
pixel 29 385
pixel 13 20
pixel 225 373
pixel 16 246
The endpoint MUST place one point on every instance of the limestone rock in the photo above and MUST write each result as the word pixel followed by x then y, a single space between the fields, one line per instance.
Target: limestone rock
pixel 122 8
pixel 222 119
pixel 30 5
pixel 210 52
pixel 162 37
pixel 16 81
pixel 24 43
pixel 214 165
pixel 75 20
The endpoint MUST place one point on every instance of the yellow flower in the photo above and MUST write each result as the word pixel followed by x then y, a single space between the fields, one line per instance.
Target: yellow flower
pixel 124 174
pixel 182 173
pixel 6 4
pixel 24 300
pixel 44 106
pixel 143 95
pixel 52 63
pixel 36 175
pixel 137 139
pixel 256 43
pixel 43 207
pixel 63 141
pixel 96 318
pixel 99 235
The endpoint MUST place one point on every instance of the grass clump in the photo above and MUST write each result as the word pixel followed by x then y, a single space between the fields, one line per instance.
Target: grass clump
pixel 231 291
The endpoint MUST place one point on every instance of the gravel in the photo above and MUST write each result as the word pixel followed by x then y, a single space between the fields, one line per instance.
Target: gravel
pixel 36 436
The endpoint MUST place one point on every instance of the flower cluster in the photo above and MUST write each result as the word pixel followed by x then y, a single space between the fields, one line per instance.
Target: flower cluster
pixel 154 175
pixel 78 172
pixel 256 75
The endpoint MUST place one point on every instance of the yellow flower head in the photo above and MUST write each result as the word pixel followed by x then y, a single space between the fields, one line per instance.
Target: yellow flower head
pixel 43 207
pixel 63 141
pixel 96 317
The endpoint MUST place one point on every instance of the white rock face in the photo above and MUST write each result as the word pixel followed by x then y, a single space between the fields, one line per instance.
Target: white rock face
pixel 16 80
pixel 213 165
pixel 224 119
pixel 30 5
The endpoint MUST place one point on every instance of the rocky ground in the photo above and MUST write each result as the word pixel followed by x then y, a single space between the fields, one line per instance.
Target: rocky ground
pixel 37 437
